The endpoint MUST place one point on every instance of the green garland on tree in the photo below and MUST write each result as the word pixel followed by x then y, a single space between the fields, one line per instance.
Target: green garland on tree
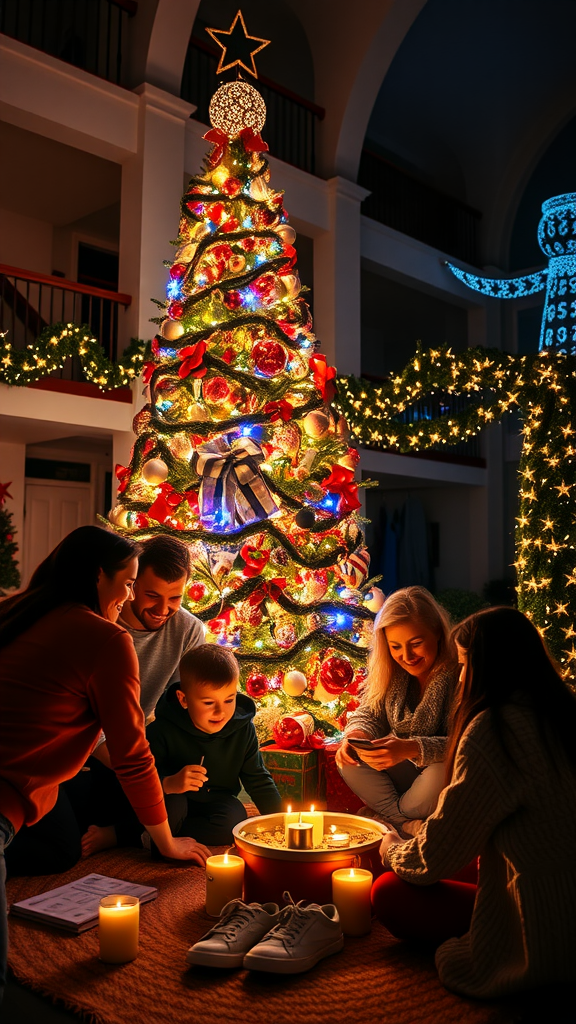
pixel 9 574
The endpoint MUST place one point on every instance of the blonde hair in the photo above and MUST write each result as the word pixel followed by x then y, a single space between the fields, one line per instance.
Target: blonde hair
pixel 410 604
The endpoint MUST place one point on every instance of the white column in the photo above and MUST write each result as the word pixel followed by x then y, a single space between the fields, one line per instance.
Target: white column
pixel 12 471
pixel 337 277
pixel 152 186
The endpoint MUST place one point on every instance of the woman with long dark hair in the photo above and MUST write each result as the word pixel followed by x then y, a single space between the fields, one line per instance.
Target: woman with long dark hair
pixel 67 670
pixel 511 800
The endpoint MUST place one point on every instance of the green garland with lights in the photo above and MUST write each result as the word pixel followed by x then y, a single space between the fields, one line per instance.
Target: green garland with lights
pixel 19 367
pixel 542 388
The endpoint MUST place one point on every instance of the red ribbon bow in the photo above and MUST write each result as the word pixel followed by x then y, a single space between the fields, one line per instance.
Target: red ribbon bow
pixel 219 624
pixel 253 143
pixel 165 502
pixel 123 475
pixel 341 482
pixel 323 376
pixel 147 372
pixel 273 589
pixel 192 357
pixel 4 492
pixel 279 410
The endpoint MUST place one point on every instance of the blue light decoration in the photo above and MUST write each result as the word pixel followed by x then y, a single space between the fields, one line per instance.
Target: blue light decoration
pixel 557 239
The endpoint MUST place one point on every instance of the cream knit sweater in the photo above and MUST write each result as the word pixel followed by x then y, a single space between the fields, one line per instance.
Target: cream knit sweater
pixel 519 815
pixel 427 724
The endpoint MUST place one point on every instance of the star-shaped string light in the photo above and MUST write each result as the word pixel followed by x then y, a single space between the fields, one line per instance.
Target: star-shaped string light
pixel 4 492
pixel 237 50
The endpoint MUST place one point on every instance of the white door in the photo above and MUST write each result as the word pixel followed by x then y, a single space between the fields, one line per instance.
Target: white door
pixel 52 510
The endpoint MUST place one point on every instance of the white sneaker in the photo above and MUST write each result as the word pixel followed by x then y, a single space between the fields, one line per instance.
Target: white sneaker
pixel 241 925
pixel 302 937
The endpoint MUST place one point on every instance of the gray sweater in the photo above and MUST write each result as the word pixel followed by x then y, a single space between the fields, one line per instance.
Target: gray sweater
pixel 427 724
pixel 519 815
pixel 159 652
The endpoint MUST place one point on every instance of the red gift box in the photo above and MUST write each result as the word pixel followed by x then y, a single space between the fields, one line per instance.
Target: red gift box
pixel 339 796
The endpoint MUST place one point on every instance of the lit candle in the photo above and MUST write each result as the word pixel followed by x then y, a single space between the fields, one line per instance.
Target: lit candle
pixel 316 819
pixel 289 818
pixel 338 838
pixel 224 880
pixel 351 893
pixel 118 920
pixel 300 835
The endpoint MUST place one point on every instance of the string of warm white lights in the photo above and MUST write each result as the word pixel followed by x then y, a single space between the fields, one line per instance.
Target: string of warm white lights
pixel 59 341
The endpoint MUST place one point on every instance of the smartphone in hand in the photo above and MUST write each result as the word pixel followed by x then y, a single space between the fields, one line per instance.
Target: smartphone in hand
pixel 360 743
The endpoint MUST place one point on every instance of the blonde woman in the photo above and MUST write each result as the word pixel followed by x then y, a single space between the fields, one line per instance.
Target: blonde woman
pixel 397 767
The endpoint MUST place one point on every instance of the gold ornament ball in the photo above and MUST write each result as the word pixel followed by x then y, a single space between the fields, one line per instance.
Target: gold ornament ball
pixel 235 106
pixel 294 683
pixel 197 413
pixel 155 471
pixel 374 599
pixel 171 330
pixel 287 233
pixel 118 516
pixel 316 423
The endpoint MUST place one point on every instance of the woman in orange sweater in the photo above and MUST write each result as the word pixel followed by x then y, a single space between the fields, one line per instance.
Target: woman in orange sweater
pixel 67 671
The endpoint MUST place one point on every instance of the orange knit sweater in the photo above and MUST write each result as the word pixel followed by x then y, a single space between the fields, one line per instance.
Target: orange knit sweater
pixel 70 675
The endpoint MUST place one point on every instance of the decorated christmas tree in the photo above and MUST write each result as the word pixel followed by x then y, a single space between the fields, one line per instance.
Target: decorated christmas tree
pixel 238 447
pixel 9 574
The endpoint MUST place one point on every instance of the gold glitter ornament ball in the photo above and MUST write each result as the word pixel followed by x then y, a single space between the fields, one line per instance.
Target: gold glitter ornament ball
pixel 235 106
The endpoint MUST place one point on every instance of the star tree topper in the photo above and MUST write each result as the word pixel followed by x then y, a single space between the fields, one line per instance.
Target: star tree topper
pixel 237 50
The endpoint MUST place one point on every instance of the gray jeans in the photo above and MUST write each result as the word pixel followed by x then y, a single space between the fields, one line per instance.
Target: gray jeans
pixel 6 836
pixel 399 793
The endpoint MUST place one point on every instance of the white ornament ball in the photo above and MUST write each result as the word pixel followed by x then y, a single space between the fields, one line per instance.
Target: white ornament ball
pixel 287 233
pixel 155 471
pixel 374 599
pixel 171 330
pixel 118 516
pixel 294 683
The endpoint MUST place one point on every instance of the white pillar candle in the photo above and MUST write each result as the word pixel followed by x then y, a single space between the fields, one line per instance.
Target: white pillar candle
pixel 118 925
pixel 316 819
pixel 289 818
pixel 351 889
pixel 224 881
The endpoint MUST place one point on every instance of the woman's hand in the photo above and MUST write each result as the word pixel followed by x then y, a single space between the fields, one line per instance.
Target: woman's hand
pixel 189 779
pixel 389 751
pixel 345 753
pixel 390 839
pixel 177 848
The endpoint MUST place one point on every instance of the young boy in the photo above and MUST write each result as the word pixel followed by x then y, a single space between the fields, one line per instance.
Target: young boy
pixel 205 746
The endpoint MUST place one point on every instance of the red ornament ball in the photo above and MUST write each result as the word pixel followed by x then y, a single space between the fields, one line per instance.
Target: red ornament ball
pixel 197 591
pixel 266 217
pixel 248 244
pixel 335 674
pixel 216 390
pixel 257 685
pixel 232 300
pixel 263 286
pixel 269 358
pixel 176 310
pixel 231 186
pixel 178 271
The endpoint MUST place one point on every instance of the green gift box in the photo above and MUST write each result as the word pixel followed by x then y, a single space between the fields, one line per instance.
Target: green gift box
pixel 297 774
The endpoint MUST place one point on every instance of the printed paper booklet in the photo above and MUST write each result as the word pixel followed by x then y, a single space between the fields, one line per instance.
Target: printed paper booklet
pixel 75 906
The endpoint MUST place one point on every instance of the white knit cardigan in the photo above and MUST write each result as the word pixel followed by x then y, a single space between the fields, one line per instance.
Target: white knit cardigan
pixel 519 814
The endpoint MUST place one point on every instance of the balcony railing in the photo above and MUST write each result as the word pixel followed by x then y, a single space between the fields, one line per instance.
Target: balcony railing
pixel 30 302
pixel 408 205
pixel 85 33
pixel 442 403
pixel 290 129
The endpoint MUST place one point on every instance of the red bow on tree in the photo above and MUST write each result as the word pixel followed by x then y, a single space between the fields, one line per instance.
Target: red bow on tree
pixel 219 624
pixel 279 410
pixel 220 140
pixel 123 475
pixel 341 482
pixel 323 376
pixel 4 493
pixel 253 141
pixel 192 357
pixel 273 589
pixel 165 502
pixel 291 255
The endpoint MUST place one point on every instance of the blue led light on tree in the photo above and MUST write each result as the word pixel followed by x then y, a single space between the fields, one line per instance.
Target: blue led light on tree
pixel 557 239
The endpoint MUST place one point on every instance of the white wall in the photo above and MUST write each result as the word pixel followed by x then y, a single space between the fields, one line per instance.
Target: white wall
pixel 25 242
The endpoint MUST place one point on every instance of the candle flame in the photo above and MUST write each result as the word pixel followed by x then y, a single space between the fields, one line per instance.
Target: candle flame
pixel 352 875
pixel 119 903
pixel 289 809
pixel 225 858
pixel 332 828
pixel 311 807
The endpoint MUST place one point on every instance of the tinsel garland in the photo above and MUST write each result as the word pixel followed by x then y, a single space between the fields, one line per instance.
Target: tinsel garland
pixel 59 341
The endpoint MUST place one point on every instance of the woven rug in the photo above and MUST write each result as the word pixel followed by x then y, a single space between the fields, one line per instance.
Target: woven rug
pixel 375 978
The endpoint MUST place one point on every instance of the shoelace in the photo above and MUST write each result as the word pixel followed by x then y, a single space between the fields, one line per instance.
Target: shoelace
pixel 236 917
pixel 290 923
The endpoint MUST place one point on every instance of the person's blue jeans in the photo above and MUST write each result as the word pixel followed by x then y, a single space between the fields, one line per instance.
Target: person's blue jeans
pixel 397 794
pixel 6 836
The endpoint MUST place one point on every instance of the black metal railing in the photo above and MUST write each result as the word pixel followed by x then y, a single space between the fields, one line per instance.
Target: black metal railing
pixel 85 33
pixel 30 302
pixel 402 202
pixel 290 128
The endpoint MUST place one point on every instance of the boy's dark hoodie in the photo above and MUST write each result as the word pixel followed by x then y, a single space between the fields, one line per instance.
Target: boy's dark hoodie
pixel 231 756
